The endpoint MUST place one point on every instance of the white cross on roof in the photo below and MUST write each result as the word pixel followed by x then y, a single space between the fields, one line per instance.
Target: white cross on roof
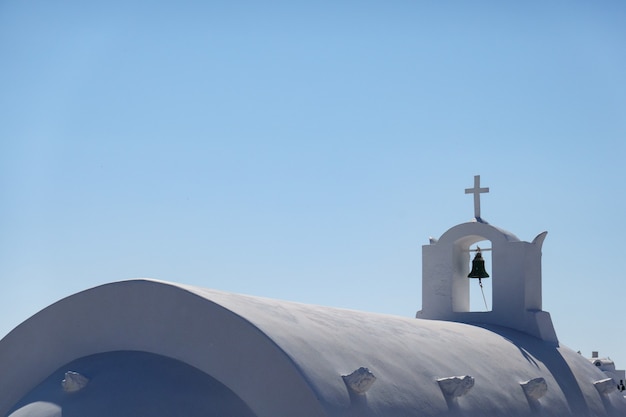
pixel 477 191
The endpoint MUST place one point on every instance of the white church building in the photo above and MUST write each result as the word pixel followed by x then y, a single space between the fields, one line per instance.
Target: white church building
pixel 159 349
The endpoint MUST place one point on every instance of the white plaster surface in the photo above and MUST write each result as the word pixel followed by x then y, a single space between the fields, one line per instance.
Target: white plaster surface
pixel 286 359
pixel 38 409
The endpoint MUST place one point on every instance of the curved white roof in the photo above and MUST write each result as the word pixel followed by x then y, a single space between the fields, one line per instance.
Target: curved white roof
pixel 286 359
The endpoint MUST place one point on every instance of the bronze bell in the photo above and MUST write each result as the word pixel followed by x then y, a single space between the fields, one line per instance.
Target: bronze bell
pixel 478 267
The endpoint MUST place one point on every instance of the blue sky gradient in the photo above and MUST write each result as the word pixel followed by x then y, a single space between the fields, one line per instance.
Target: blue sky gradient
pixel 307 150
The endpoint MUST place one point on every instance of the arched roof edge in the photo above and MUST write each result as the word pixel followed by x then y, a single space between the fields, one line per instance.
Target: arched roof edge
pixel 127 315
pixel 477 228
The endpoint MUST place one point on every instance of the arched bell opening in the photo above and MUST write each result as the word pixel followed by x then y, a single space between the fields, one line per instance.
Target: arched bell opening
pixel 472 292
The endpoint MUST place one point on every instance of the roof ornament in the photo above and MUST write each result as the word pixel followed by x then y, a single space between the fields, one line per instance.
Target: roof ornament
pixel 360 380
pixel 477 191
pixel 74 382
pixel 605 386
pixel 455 386
pixel 535 388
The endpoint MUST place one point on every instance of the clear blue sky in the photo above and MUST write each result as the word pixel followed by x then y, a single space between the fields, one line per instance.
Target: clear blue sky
pixel 307 150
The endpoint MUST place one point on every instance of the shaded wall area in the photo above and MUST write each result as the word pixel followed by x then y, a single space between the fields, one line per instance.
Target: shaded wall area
pixel 129 384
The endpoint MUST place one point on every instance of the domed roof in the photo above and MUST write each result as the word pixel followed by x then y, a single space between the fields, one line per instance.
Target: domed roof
pixel 283 359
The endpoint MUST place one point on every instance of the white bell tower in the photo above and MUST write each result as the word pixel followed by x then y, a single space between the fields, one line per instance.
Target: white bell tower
pixel 515 274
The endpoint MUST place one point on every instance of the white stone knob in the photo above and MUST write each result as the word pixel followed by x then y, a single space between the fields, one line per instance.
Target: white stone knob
pixel 74 382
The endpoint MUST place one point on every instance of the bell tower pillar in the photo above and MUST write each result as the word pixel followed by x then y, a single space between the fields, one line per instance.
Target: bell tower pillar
pixel 515 275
